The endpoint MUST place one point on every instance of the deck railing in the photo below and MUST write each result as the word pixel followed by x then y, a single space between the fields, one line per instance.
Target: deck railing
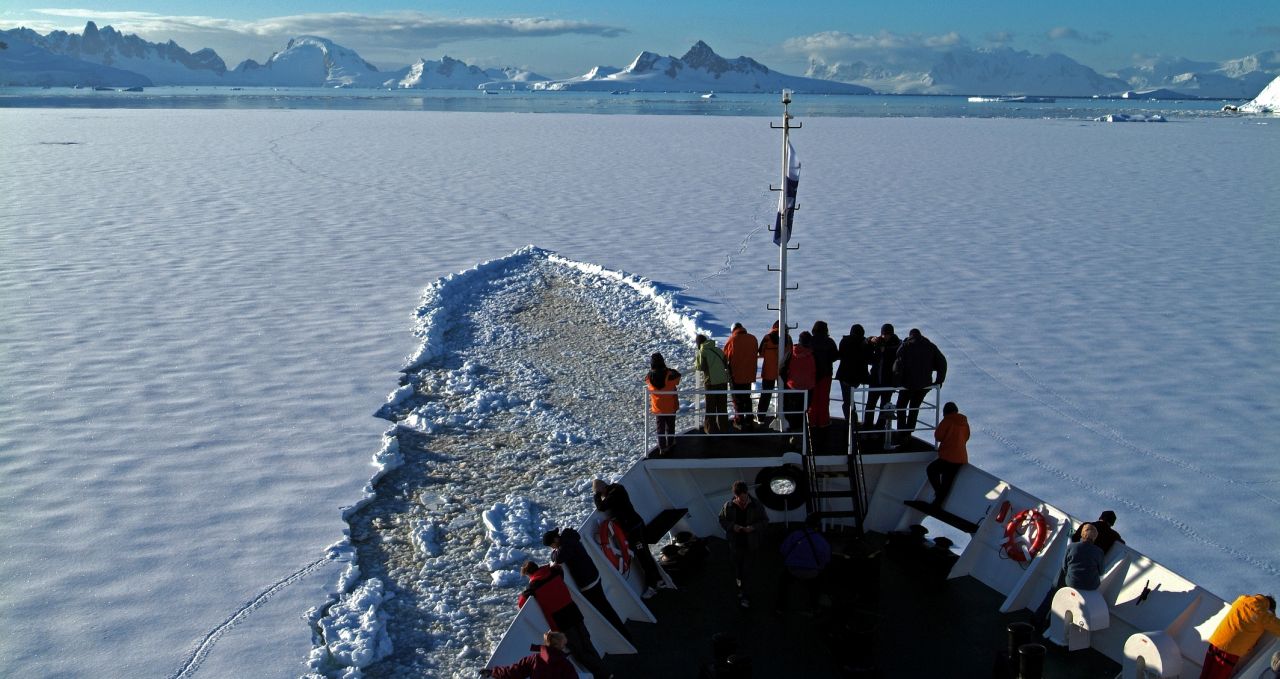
pixel 692 414
pixel 887 420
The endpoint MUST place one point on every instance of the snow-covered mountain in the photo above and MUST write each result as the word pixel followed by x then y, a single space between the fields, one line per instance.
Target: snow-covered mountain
pixel 699 70
pixel 990 71
pixel 1232 79
pixel 449 73
pixel 25 64
pixel 310 61
pixel 107 57
pixel 161 63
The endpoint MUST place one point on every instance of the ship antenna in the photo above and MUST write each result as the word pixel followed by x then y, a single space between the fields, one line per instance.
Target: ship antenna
pixel 782 236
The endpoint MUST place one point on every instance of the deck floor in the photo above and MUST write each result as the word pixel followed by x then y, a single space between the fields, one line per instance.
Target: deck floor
pixel 892 614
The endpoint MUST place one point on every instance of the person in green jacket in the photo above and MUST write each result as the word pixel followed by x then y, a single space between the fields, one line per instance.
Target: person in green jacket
pixel 711 363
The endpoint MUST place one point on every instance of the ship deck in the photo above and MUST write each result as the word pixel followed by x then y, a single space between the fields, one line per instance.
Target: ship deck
pixel 887 610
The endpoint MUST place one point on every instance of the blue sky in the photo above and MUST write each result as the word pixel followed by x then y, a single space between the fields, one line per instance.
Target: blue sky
pixel 567 38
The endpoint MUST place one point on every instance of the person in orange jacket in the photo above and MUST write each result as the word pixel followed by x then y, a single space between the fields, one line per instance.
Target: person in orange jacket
pixel 1250 616
pixel 742 350
pixel 769 370
pixel 663 401
pixel 952 436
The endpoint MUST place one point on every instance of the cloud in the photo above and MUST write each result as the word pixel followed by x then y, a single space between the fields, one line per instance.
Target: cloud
pixel 406 29
pixel 906 50
pixel 999 37
pixel 1068 33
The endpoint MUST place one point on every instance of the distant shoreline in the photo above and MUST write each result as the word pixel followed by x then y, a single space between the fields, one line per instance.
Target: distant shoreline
pixel 625 103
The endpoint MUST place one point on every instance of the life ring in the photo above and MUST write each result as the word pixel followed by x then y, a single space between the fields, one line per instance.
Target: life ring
pixel 1025 535
pixel 613 542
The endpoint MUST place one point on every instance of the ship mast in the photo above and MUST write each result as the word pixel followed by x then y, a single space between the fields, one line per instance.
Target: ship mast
pixel 781 236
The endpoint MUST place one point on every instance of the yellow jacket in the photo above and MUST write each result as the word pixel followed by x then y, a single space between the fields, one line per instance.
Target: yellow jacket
pixel 1248 618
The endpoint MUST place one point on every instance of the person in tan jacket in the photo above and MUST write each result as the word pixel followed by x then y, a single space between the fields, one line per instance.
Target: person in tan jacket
pixel 952 436
pixel 1250 616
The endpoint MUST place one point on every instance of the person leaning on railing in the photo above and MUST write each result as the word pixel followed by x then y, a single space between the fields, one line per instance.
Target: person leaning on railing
pixel 884 351
pixel 918 360
pixel 1250 616
pixel 551 661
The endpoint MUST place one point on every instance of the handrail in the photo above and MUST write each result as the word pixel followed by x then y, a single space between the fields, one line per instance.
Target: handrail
pixel 891 413
pixel 692 407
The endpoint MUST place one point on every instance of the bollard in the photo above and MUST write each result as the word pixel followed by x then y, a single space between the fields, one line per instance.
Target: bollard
pixel 1030 661
pixel 1020 633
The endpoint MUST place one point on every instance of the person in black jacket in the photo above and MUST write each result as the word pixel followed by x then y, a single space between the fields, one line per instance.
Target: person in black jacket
pixel 884 351
pixel 743 519
pixel 918 361
pixel 1107 534
pixel 613 500
pixel 566 549
pixel 824 359
pixel 855 357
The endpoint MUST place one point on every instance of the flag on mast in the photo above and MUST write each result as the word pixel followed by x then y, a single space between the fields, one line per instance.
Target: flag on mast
pixel 787 200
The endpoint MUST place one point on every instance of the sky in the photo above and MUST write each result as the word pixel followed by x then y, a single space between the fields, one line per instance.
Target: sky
pixel 568 38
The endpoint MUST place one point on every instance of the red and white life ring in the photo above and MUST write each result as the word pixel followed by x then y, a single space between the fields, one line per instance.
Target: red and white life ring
pixel 1025 535
pixel 613 542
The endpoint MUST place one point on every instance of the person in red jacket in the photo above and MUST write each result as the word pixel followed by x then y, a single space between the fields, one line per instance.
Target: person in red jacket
pixel 550 662
pixel 742 350
pixel 546 586
pixel 799 373
pixel 952 436
pixel 1250 616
